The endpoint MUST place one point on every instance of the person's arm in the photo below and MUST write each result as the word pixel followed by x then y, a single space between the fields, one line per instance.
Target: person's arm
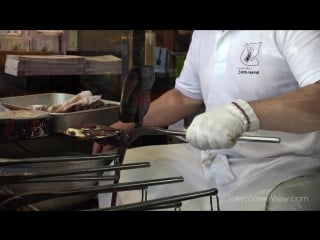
pixel 167 109
pixel 294 112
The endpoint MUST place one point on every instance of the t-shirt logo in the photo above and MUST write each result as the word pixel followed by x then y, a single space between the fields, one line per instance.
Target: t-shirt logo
pixel 249 55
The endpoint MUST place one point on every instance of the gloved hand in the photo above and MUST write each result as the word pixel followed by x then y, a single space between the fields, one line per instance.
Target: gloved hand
pixel 221 127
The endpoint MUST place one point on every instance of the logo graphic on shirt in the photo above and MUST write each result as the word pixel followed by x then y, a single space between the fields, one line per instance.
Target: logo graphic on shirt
pixel 249 55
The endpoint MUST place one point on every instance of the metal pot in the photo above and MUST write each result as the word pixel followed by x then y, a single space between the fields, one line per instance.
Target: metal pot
pixel 24 124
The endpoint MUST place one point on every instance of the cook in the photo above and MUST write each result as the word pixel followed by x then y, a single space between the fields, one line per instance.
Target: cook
pixel 254 82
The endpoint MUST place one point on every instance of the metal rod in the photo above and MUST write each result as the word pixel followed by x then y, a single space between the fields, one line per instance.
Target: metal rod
pixel 69 179
pixel 248 138
pixel 121 151
pixel 218 204
pixel 165 206
pixel 12 178
pixel 259 139
pixel 57 159
pixel 29 198
pixel 160 201
pixel 211 206
pixel 142 194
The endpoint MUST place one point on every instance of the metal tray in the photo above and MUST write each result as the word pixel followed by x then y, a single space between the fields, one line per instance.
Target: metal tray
pixel 62 121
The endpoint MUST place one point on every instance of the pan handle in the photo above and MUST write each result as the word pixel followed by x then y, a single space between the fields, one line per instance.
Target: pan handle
pixel 247 138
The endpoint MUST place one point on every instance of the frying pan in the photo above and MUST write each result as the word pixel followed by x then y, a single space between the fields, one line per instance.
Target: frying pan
pixel 106 135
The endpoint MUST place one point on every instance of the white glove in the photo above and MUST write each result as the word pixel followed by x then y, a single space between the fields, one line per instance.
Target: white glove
pixel 220 128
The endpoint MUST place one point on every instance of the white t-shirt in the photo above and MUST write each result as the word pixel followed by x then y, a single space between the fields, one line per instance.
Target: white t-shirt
pixel 222 66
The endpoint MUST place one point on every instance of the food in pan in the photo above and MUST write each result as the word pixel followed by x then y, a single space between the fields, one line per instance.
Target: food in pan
pixel 82 101
pixel 22 114
pixel 93 132
pixel 74 108
pixel 38 107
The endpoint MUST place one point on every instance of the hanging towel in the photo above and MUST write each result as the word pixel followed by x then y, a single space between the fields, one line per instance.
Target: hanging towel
pixel 216 167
